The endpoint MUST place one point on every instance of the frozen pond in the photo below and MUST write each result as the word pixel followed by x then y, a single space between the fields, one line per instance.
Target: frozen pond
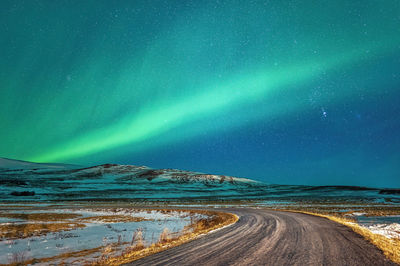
pixel 97 233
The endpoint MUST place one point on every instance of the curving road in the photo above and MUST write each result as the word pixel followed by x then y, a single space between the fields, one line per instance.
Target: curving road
pixel 264 237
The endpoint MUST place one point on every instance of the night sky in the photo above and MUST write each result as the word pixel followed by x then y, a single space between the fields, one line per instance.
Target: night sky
pixel 287 92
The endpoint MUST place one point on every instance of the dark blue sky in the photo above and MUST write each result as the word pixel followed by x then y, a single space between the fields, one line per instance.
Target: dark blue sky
pixel 288 92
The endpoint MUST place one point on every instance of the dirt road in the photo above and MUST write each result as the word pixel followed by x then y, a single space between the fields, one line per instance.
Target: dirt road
pixel 264 237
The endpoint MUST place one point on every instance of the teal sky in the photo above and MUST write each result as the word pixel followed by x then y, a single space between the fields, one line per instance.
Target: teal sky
pixel 289 92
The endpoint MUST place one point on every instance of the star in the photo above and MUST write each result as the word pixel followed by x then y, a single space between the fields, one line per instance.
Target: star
pixel 324 113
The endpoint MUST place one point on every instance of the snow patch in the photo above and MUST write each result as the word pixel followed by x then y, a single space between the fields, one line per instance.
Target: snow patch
pixel 388 230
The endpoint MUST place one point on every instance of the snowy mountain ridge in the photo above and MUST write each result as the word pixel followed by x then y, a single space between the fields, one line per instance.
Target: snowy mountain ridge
pixel 109 181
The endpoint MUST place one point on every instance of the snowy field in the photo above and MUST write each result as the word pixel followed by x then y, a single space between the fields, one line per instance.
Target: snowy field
pixel 388 226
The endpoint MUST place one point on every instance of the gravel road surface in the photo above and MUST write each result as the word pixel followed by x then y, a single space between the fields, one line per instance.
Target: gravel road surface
pixel 264 237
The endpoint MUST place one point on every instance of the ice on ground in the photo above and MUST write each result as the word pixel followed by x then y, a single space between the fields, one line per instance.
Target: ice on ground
pixel 95 234
pixel 387 230
pixel 358 213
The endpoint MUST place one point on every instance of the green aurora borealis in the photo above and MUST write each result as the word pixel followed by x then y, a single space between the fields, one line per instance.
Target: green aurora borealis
pixel 295 92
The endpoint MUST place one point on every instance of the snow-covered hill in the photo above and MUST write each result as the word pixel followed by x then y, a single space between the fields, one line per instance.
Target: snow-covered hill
pixel 112 181
pixel 30 181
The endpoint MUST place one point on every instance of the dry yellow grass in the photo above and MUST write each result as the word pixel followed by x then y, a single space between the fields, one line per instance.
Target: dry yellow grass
pixel 113 219
pixel 12 231
pixel 390 247
pixel 381 211
pixel 203 226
